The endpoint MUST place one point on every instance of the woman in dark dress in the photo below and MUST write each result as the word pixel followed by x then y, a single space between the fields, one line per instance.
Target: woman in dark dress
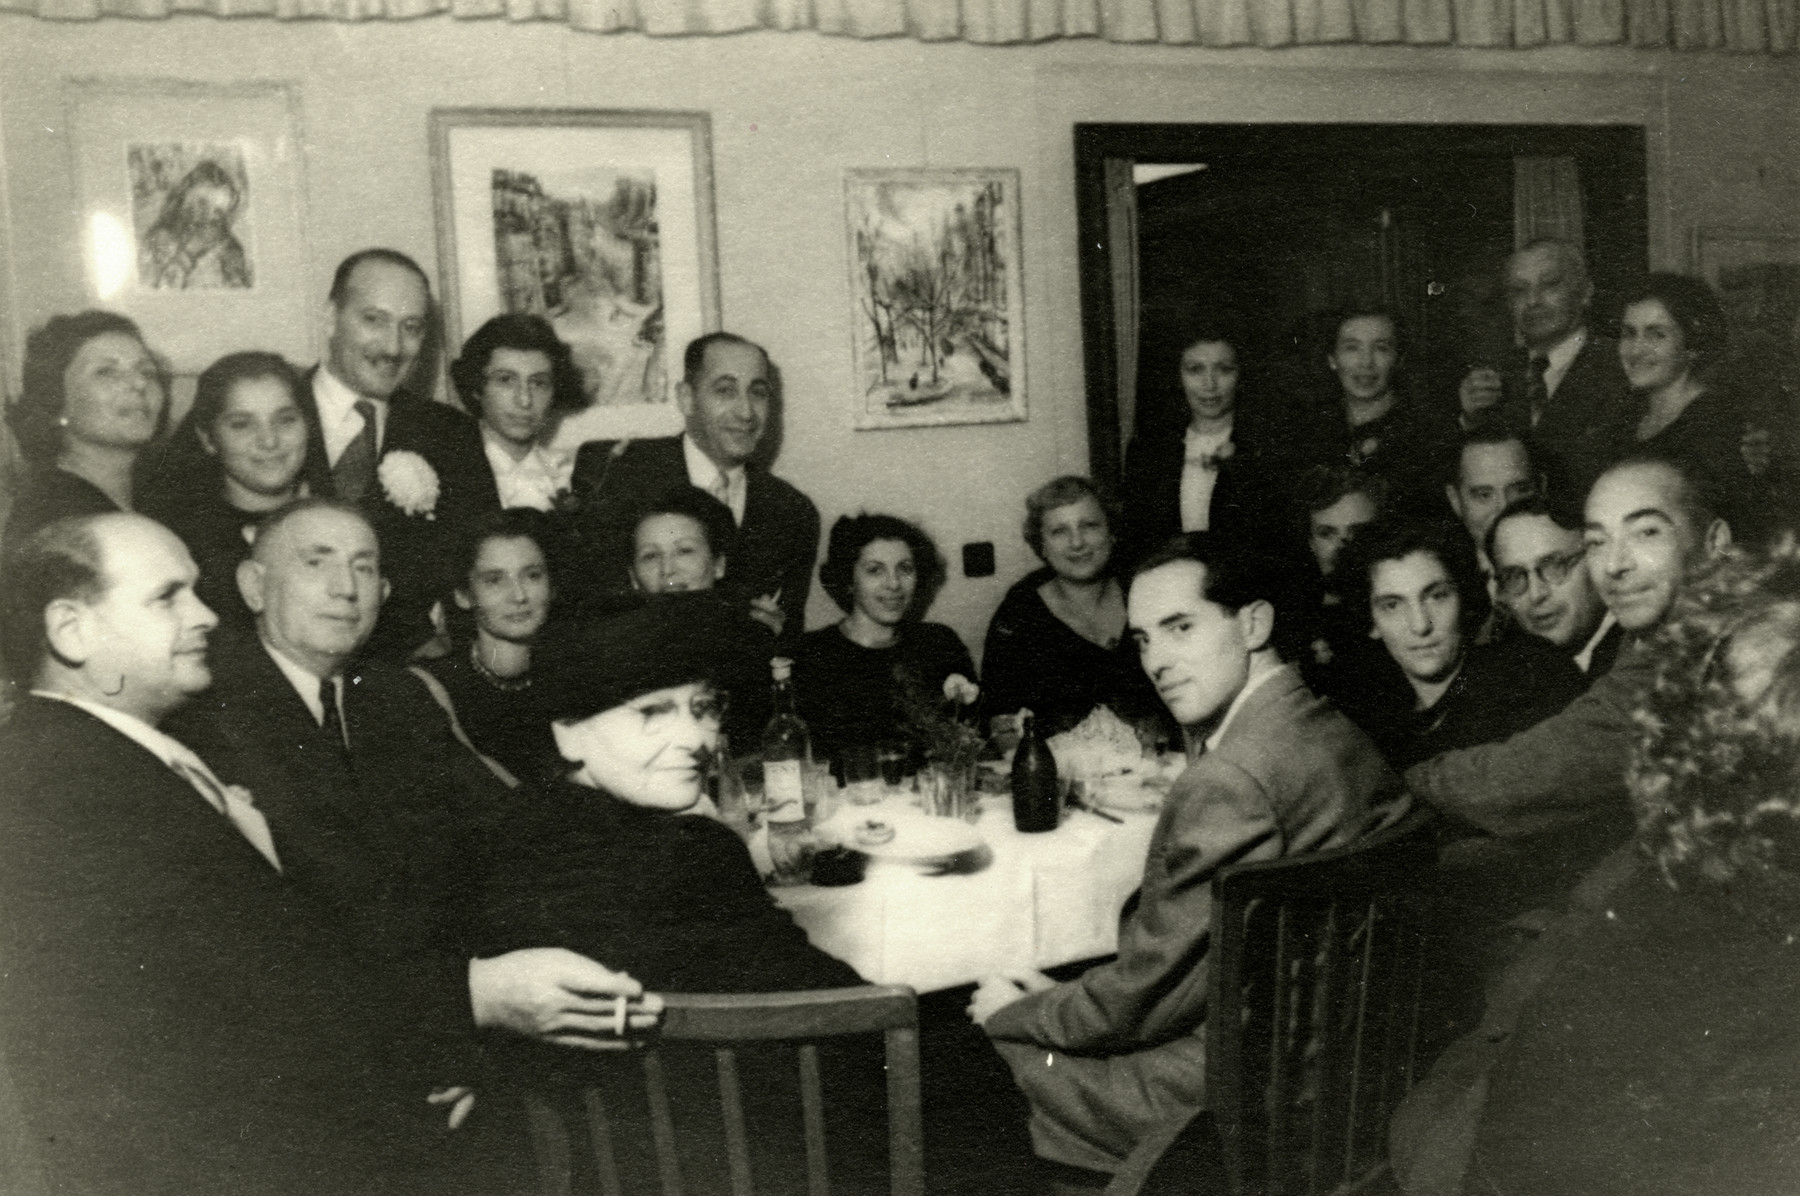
pixel 235 457
pixel 851 678
pixel 505 591
pixel 612 860
pixel 93 400
pixel 1057 644
pixel 1673 343
pixel 1191 466
pixel 1417 588
pixel 1659 1053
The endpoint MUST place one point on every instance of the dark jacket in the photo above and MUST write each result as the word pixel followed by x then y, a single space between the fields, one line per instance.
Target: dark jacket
pixel 176 1016
pixel 777 543
pixel 1588 423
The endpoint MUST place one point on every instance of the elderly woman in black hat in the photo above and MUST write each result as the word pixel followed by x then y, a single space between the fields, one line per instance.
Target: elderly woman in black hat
pixel 618 860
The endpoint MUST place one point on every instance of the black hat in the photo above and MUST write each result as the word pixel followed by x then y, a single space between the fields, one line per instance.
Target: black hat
pixel 594 667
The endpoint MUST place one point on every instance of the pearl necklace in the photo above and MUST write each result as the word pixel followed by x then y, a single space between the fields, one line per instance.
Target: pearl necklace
pixel 507 685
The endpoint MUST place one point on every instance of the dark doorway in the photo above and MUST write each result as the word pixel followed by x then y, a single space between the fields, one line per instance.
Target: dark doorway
pixel 1271 227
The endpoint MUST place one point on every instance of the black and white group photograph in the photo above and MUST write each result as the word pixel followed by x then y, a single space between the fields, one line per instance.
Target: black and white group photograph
pixel 900 597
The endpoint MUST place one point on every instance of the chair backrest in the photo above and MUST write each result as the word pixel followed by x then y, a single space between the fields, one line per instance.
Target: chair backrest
pixel 732 1024
pixel 1313 1024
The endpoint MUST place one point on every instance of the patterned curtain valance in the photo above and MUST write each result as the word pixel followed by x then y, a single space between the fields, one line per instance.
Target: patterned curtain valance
pixel 1746 26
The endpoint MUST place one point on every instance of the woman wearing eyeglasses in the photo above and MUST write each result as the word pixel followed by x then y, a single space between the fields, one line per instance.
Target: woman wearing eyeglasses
pixel 1541 581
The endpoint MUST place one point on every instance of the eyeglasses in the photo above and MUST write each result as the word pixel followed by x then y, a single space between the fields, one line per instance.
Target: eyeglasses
pixel 1552 570
pixel 709 705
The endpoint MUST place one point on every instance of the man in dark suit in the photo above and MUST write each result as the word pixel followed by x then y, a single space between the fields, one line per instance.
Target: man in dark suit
pixel 378 807
pixel 175 1014
pixel 1569 389
pixel 725 395
pixel 1107 1057
pixel 1537 551
pixel 416 466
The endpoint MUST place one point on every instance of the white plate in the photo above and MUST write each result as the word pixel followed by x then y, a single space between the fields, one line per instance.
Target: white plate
pixel 916 836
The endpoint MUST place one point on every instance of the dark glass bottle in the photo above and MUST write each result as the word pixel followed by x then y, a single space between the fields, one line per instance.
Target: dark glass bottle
pixel 1036 803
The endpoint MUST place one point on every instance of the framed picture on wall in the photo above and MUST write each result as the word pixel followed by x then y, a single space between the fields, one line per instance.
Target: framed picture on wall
pixel 191 200
pixel 936 302
pixel 1757 275
pixel 602 223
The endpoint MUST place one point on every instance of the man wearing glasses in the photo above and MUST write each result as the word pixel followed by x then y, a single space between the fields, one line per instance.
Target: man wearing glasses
pixel 1647 522
pixel 1541 579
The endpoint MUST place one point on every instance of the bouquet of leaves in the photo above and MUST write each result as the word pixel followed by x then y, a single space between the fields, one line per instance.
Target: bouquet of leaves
pixel 936 722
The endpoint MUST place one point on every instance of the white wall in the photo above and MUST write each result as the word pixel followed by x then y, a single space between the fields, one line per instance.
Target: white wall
pixel 791 112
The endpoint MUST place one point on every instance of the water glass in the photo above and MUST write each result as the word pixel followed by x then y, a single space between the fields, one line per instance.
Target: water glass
pixel 863 782
pixel 890 758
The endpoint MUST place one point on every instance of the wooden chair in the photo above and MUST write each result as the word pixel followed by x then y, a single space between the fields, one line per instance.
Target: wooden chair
pixel 1313 1023
pixel 731 1022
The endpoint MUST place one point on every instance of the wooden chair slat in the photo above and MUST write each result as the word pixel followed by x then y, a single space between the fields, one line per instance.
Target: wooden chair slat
pixel 737 1138
pixel 906 1135
pixel 600 1138
pixel 812 1112
pixel 662 1124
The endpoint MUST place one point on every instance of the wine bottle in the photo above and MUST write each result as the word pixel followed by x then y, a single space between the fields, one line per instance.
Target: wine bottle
pixel 787 755
pixel 1036 801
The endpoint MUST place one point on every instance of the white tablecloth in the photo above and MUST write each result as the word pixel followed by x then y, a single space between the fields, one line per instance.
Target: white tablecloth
pixel 1046 899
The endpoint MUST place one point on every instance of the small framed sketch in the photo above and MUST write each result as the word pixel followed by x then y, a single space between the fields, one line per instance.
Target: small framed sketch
pixel 192 203
pixel 602 223
pixel 937 307
pixel 1757 275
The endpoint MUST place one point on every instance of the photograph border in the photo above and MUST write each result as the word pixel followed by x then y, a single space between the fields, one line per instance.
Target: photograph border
pixel 1017 410
pixel 104 117
pixel 690 140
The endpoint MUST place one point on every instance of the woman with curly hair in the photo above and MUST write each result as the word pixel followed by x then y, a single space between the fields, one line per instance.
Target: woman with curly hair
pixel 851 678
pixel 517 377
pixel 1661 1054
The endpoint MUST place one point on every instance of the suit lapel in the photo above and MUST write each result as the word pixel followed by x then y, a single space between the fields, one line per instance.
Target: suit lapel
pixel 318 461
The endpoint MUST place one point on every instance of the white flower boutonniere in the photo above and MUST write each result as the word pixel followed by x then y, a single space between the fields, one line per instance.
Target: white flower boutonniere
pixel 961 690
pixel 409 482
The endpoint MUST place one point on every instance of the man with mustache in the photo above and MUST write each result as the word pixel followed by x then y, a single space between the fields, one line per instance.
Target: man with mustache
pixel 1119 1051
pixel 728 399
pixel 416 466
pixel 380 811
pixel 1570 389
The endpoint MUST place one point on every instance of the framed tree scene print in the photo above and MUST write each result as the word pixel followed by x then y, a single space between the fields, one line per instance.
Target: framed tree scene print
pixel 935 296
pixel 599 221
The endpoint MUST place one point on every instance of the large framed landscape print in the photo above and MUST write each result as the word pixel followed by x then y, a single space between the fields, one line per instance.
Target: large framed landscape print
pixel 599 221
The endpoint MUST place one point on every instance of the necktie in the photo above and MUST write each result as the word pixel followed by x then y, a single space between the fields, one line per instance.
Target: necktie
pixel 234 803
pixel 333 722
pixel 721 489
pixel 1537 391
pixel 354 474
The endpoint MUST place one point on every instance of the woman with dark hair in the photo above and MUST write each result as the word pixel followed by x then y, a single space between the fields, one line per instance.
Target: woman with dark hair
pixel 1332 505
pixel 1659 1053
pixel 1372 423
pixel 851 679
pixel 1674 341
pixel 1418 589
pixel 681 548
pixel 236 456
pixel 1057 644
pixel 488 678
pixel 93 400
pixel 516 376
pixel 1190 465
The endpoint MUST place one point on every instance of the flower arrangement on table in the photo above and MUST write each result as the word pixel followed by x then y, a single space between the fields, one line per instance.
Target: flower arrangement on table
pixel 948 740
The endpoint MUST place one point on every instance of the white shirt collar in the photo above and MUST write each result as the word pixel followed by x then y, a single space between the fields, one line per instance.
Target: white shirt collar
pixel 1199 442
pixel 305 683
pixel 1561 356
pixel 129 725
pixel 338 420
pixel 1584 659
pixel 1256 682
pixel 704 472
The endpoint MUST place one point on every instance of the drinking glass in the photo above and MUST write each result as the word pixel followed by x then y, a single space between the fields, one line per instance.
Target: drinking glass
pixel 862 774
pixel 891 759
